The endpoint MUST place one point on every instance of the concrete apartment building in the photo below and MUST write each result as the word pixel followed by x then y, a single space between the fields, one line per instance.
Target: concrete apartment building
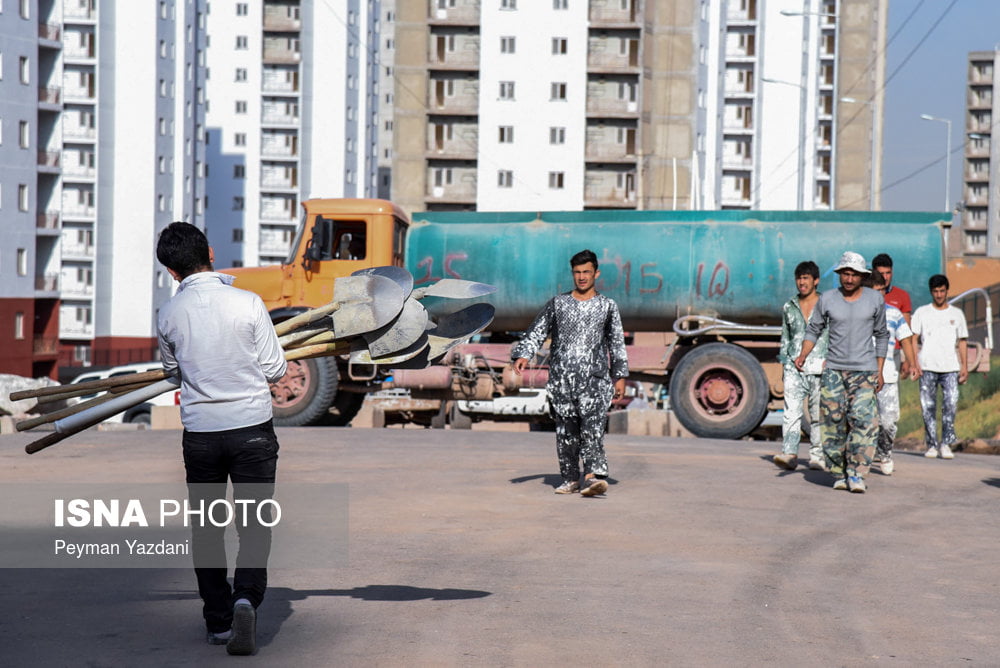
pixel 293 113
pixel 30 104
pixel 979 228
pixel 132 90
pixel 636 104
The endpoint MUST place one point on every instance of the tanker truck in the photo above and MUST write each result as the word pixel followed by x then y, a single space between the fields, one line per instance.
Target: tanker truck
pixel 700 294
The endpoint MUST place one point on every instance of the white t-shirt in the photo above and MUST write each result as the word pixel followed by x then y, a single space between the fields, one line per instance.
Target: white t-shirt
pixel 939 332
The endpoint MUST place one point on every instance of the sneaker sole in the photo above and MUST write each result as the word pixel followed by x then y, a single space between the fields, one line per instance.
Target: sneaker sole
pixel 788 466
pixel 567 491
pixel 244 640
pixel 599 487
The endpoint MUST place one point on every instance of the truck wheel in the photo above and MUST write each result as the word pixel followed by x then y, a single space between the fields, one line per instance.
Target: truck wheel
pixel 345 407
pixel 305 393
pixel 719 390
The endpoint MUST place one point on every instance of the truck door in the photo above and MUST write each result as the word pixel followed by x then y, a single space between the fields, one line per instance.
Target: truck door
pixel 337 248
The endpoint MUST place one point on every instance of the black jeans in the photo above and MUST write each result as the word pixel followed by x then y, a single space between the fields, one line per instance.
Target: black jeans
pixel 245 455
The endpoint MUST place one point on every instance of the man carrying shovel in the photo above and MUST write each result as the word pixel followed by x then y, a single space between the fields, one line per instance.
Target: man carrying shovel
pixel 222 342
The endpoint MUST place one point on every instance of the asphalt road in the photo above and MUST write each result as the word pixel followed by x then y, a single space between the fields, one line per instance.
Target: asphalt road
pixel 702 554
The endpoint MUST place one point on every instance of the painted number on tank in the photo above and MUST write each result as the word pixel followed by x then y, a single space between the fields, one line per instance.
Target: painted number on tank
pixel 717 283
pixel 650 282
pixel 427 264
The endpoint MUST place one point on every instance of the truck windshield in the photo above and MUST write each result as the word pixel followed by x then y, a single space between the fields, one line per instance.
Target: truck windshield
pixel 293 251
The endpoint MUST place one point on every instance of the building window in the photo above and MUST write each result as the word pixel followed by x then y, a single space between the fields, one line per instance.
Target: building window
pixel 242 9
pixel 559 46
pixel 19 325
pixel 22 197
pixel 560 4
pixel 161 203
pixel 237 235
pixel 241 74
pixel 442 176
pixel 241 106
pixel 163 48
pixel 163 127
pixel 242 43
pixel 507 44
pixel 23 134
pixel 505 178
pixel 25 5
pixel 557 135
pixel 558 90
pixel 240 139
pixel 506 134
pixel 238 203
pixel 557 180
pixel 25 68
pixel 239 171
pixel 22 262
pixel 506 90
pixel 508 4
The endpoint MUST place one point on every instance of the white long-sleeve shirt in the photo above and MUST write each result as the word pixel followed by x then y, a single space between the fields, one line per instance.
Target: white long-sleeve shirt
pixel 222 341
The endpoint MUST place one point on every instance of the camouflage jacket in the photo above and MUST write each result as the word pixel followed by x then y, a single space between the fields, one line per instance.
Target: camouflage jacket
pixel 793 331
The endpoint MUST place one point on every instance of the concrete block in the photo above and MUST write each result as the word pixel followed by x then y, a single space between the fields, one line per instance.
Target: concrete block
pixel 7 425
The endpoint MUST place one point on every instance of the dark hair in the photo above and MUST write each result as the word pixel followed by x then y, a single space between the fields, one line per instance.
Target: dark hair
pixel 807 268
pixel 877 280
pixel 183 248
pixel 938 281
pixel 583 257
pixel 882 260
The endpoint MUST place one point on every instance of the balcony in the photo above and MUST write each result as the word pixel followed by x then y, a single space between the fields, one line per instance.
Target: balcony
pixel 467 59
pixel 71 329
pixel 47 283
pixel 275 55
pixel 277 19
pixel 464 103
pixel 452 141
pixel 47 221
pixel 280 118
pixel 464 14
pixel 281 82
pixel 462 191
pixel 272 211
pixel 77 291
pixel 80 94
pixel 73 12
pixel 279 151
pixel 613 16
pixel 609 151
pixel 977 175
pixel 48 161
pixel 50 32
pixel 274 246
pixel 51 95
pixel 612 62
pixel 611 107
pixel 45 346
pixel 78 132
pixel 77 251
pixel 980 99
pixel 975 219
pixel 279 181
pixel 78 172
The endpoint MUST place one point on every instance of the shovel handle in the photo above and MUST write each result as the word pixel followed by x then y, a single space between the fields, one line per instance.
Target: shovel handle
pixel 319 350
pixel 305 318
pixel 89 386
pixel 56 436
pixel 24 425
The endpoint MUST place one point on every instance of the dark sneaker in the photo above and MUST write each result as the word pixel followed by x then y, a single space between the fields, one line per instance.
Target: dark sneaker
pixel 244 640
pixel 568 487
pixel 856 484
pixel 219 638
pixel 593 487
pixel 787 462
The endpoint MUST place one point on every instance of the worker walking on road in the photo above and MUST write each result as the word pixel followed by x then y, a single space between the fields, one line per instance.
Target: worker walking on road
pixel 222 342
pixel 587 367
pixel 801 387
pixel 854 315
pixel 943 361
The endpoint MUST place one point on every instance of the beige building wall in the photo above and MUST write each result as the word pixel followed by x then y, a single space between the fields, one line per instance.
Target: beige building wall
pixel 409 181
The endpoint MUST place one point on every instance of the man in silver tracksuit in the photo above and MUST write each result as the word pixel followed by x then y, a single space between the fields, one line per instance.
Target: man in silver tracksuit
pixel 587 367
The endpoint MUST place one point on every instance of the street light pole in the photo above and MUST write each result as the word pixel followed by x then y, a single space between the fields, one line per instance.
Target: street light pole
pixel 947 159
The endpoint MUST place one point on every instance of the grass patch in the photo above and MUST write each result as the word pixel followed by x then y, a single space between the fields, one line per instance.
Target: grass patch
pixel 978 407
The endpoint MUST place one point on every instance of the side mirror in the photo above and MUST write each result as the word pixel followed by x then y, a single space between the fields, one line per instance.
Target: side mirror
pixel 320 241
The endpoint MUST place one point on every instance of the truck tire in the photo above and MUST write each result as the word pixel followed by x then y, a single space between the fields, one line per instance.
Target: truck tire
pixel 305 393
pixel 457 419
pixel 719 390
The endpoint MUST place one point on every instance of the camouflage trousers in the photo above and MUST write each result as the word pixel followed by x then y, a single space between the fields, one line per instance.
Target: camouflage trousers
pixel 929 382
pixel 849 416
pixel 800 388
pixel 888 416
pixel 581 418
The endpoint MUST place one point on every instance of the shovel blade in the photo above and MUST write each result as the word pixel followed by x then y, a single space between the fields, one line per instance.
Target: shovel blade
pixel 361 355
pixel 367 303
pixel 465 322
pixel 455 288
pixel 399 334
pixel 397 275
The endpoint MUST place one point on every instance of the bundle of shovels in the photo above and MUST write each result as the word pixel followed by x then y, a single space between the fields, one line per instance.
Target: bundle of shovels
pixel 375 317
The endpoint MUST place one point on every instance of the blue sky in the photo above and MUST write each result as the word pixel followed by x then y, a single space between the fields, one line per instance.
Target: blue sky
pixel 932 81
